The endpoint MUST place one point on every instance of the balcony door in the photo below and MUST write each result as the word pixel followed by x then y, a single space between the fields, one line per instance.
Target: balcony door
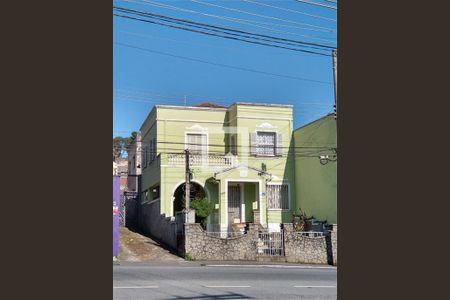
pixel 197 143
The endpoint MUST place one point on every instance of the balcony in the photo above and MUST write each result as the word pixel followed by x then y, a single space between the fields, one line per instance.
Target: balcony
pixel 207 160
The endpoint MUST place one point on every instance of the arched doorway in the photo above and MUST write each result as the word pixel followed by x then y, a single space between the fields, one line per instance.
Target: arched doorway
pixel 179 203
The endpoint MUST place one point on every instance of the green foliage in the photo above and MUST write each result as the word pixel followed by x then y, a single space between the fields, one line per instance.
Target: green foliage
pixel 203 208
pixel 188 256
pixel 120 144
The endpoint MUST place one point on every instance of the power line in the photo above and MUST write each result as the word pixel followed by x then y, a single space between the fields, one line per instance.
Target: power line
pixel 179 102
pixel 242 146
pixel 210 45
pixel 145 96
pixel 290 10
pixel 226 17
pixel 223 65
pixel 261 16
pixel 177 96
pixel 235 20
pixel 242 156
pixel 317 4
pixel 226 37
pixel 225 30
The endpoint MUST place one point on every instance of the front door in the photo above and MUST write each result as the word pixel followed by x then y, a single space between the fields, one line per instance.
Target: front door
pixel 234 204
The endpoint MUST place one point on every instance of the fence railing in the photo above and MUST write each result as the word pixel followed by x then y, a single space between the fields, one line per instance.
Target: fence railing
pixel 309 233
pixel 199 160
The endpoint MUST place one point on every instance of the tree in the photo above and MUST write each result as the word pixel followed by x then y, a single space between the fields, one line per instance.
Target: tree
pixel 120 144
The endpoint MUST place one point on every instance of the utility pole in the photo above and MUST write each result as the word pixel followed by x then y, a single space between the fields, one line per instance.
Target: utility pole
pixel 335 81
pixel 187 186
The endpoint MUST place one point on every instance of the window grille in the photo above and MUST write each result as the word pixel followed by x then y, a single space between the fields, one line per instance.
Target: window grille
pixel 278 196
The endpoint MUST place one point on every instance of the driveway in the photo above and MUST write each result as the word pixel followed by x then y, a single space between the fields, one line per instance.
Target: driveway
pixel 135 247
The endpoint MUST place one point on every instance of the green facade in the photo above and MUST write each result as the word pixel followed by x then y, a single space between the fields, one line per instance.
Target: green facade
pixel 229 160
pixel 168 126
pixel 316 182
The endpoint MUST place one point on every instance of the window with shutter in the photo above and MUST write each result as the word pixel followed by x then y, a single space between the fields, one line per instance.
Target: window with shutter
pixel 253 143
pixel 265 143
pixel 279 143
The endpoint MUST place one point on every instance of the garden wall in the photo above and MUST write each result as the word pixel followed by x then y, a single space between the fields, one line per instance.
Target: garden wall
pixel 200 246
pixel 300 248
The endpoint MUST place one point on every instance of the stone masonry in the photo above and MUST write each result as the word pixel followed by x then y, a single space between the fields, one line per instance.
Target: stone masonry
pixel 334 245
pixel 200 246
pixel 300 248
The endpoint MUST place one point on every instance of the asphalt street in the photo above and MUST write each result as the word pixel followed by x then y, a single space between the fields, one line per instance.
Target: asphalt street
pixel 192 280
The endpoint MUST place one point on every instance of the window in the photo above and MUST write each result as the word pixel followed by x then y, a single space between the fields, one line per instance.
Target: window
pixel 196 143
pixel 233 144
pixel 152 152
pixel 144 157
pixel 266 143
pixel 278 196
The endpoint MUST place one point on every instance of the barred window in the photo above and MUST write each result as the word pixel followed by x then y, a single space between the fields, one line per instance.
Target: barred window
pixel 278 196
pixel 266 143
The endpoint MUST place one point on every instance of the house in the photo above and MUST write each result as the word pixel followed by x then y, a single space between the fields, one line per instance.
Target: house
pixel 240 157
pixel 122 171
pixel 316 169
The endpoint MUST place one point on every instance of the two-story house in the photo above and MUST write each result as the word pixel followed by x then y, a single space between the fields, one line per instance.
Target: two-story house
pixel 239 158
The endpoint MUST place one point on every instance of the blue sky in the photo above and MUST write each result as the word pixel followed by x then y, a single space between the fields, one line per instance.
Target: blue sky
pixel 142 79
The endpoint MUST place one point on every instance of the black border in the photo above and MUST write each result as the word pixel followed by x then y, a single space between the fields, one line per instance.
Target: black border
pixel 392 128
pixel 57 117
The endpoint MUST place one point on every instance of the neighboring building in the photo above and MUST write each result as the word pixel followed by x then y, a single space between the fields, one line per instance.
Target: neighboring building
pixel 316 169
pixel 239 157
pixel 134 163
pixel 115 172
pixel 121 169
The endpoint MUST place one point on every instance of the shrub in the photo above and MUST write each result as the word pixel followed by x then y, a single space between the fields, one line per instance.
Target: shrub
pixel 203 208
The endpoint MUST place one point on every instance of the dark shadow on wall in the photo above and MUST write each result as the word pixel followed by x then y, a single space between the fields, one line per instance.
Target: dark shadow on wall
pixel 329 249
pixel 289 176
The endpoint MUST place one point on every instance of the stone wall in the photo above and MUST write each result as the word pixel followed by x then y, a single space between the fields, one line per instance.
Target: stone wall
pixel 334 246
pixel 200 246
pixel 300 248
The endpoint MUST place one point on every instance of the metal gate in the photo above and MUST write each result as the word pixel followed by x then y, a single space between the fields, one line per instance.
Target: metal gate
pixel 234 203
pixel 270 243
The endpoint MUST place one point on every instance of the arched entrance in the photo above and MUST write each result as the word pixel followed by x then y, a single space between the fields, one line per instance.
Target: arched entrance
pixel 179 203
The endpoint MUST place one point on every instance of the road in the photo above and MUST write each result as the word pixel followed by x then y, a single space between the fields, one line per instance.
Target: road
pixel 192 280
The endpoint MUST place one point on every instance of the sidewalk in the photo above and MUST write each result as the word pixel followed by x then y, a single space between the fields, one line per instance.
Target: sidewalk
pixel 260 264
